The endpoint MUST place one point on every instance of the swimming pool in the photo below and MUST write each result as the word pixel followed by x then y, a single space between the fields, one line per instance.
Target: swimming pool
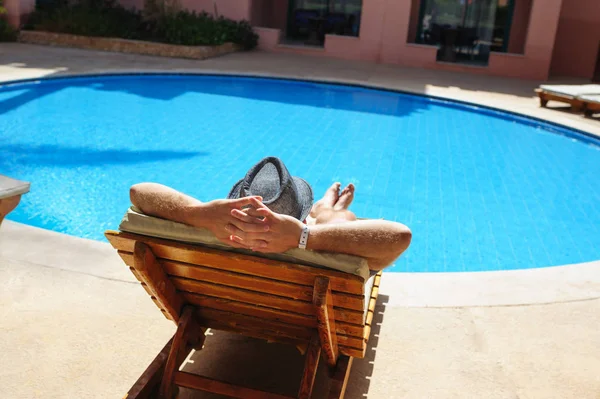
pixel 481 190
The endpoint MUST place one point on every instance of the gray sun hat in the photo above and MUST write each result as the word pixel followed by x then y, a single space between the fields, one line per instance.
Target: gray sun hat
pixel 281 192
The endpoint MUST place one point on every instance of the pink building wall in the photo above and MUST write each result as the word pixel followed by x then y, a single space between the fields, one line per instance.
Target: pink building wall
pixel 577 40
pixel 539 43
pixel 388 27
pixel 520 23
pixel 269 13
pixel 415 8
pixel 16 9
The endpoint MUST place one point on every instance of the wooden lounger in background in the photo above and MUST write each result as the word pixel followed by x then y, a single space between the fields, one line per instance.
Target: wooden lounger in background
pixel 569 94
pixel 11 191
pixel 326 311
pixel 591 104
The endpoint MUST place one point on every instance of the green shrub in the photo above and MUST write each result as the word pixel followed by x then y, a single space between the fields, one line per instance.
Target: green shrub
pixel 90 18
pixel 158 22
pixel 7 33
pixel 192 29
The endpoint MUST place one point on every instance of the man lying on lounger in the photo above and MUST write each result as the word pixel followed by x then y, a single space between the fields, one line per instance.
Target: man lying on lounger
pixel 271 211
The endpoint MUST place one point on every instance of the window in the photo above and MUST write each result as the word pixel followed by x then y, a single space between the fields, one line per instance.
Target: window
pixel 311 20
pixel 465 30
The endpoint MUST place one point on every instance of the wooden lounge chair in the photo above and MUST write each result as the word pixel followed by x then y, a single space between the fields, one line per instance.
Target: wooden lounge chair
pixel 289 298
pixel 569 94
pixel 591 104
pixel 11 191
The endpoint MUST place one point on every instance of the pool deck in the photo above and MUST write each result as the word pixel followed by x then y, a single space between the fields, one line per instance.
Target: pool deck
pixel 76 324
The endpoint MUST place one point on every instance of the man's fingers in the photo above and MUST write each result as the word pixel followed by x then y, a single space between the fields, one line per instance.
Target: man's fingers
pixel 254 213
pixel 265 212
pixel 247 231
pixel 260 246
pixel 251 244
pixel 247 215
pixel 236 244
pixel 257 202
pixel 247 227
pixel 245 201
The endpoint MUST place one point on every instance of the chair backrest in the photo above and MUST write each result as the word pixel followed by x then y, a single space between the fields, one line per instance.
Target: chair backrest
pixel 258 297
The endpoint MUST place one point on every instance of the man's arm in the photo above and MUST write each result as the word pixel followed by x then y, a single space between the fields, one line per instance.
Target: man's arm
pixel 378 241
pixel 166 203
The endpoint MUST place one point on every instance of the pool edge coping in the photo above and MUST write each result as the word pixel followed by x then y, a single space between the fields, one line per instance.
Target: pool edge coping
pixel 523 287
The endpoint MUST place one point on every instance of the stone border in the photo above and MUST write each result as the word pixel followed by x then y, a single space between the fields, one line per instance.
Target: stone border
pixel 126 46
pixel 537 286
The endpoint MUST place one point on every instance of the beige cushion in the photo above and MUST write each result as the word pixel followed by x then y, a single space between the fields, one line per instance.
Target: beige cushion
pixel 591 98
pixel 571 90
pixel 136 222
pixel 11 187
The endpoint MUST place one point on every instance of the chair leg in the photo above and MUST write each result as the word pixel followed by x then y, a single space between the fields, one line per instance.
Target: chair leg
pixel 178 352
pixel 146 386
pixel 311 364
pixel 323 302
pixel 339 380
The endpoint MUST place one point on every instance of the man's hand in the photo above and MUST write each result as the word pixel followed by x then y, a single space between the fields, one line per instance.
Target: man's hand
pixel 217 217
pixel 283 231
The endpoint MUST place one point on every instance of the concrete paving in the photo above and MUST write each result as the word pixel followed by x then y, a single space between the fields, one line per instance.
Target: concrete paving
pixel 74 323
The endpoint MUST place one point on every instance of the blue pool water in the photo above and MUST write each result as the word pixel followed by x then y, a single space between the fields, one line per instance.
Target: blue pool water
pixel 480 190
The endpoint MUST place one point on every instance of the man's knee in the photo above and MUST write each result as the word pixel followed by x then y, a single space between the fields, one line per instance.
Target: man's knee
pixel 335 216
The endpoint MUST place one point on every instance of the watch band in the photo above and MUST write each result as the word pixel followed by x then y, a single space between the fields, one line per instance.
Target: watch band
pixel 303 237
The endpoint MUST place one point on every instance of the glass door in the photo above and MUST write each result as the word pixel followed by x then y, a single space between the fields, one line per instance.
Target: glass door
pixel 310 20
pixel 464 30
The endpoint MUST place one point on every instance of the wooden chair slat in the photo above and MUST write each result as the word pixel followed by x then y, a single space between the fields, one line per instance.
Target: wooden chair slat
pixel 372 302
pixel 353 352
pixel 193 381
pixel 339 380
pixel 232 261
pixel 145 387
pixel 223 277
pixel 208 316
pixel 222 291
pixel 352 342
pixel 252 283
pixel 163 291
pixel 208 302
pixel 178 345
pixel 254 332
pixel 326 320
pixel 269 313
pixel 311 362
pixel 348 329
pixel 202 287
pixel 289 330
pixel 354 316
